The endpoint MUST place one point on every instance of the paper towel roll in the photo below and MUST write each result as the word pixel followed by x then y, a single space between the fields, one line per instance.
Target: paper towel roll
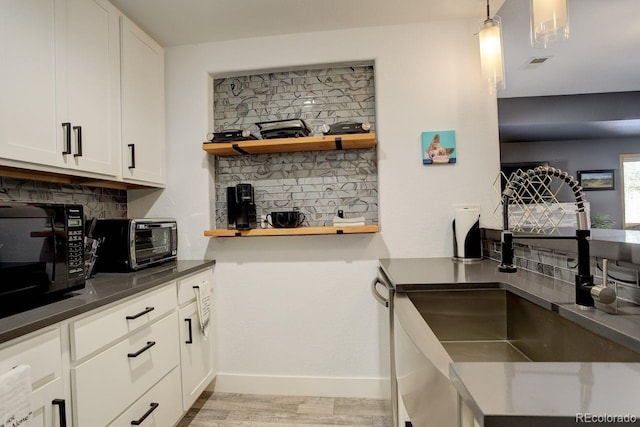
pixel 466 229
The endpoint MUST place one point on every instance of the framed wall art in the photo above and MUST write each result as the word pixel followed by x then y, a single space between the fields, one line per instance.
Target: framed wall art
pixel 439 147
pixel 597 179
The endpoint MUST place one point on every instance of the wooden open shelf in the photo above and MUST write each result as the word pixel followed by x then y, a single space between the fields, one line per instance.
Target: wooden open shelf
pixel 300 231
pixel 284 145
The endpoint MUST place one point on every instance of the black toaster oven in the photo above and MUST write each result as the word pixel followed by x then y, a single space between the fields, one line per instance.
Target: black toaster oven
pixel 133 244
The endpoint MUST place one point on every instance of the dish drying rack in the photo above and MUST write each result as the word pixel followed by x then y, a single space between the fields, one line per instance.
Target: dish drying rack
pixel 536 208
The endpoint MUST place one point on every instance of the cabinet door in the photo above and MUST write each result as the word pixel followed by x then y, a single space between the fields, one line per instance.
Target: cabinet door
pixel 196 352
pixel 49 407
pixel 46 372
pixel 143 144
pixel 92 73
pixel 28 124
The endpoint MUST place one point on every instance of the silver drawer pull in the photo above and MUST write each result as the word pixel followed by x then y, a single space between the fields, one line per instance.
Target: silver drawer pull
pixel 382 300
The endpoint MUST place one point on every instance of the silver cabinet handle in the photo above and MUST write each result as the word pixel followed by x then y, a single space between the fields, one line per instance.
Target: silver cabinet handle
pixel 374 291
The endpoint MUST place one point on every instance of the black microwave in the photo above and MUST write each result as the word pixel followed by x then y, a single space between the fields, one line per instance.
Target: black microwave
pixel 133 244
pixel 41 253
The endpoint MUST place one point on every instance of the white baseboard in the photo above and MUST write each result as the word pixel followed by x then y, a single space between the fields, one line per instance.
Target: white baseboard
pixel 372 388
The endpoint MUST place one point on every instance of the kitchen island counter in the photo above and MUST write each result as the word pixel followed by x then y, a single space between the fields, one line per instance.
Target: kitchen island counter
pixel 500 394
pixel 619 322
pixel 549 394
pixel 100 290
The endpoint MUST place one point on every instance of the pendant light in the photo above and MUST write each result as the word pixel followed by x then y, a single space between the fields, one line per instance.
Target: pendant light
pixel 491 58
pixel 549 22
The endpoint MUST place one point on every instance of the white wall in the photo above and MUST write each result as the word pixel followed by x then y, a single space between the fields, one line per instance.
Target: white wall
pixel 294 314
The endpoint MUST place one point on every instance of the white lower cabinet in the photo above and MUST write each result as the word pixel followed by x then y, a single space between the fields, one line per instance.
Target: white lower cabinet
pixel 49 401
pixel 140 361
pixel 160 406
pixel 196 348
pixel 47 405
pixel 106 384
pixel 104 327
pixel 195 354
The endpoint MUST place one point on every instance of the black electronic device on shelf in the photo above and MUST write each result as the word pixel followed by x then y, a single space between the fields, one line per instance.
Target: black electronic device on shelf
pixel 345 128
pixel 241 207
pixel 288 128
pixel 230 136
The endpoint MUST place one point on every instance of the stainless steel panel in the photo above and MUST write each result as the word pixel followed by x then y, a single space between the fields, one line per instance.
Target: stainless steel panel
pixel 422 370
pixel 544 336
pixel 484 351
pixel 464 315
pixel 435 328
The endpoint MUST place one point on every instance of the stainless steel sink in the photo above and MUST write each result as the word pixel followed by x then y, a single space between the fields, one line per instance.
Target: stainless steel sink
pixel 484 324
pixel 495 325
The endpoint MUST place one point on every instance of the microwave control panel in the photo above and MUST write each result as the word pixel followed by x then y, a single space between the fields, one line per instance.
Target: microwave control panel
pixel 75 242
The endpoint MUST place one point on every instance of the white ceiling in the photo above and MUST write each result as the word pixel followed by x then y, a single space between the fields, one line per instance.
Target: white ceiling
pixel 179 22
pixel 601 55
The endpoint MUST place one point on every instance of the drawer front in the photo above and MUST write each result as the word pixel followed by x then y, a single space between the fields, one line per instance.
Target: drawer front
pixel 107 383
pixel 102 328
pixel 158 407
pixel 186 292
pixel 41 351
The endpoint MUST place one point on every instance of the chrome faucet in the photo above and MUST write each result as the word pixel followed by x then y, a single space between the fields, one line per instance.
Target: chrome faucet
pixel 585 289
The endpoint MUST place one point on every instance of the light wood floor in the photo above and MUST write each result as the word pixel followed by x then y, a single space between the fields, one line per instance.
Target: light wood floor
pixel 231 409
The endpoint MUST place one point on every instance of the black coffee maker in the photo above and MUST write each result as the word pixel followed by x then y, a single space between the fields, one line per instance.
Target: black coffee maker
pixel 241 207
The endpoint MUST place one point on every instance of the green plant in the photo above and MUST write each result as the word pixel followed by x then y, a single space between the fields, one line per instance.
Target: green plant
pixel 601 221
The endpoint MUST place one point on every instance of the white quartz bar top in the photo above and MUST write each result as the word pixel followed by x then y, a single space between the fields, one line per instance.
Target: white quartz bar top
pixel 549 394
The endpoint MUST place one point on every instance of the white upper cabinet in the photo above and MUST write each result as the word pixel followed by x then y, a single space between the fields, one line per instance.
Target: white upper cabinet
pixel 28 123
pixel 91 71
pixel 143 145
pixel 59 84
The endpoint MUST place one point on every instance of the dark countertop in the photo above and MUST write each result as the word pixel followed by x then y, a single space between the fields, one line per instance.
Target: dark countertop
pixel 536 394
pixel 620 322
pixel 100 290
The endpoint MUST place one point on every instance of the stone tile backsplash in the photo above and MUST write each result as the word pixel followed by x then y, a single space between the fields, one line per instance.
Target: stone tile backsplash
pixel 319 96
pixel 318 183
pixel 97 202
pixel 563 266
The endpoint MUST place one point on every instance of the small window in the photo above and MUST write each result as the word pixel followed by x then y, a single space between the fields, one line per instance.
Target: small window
pixel 630 167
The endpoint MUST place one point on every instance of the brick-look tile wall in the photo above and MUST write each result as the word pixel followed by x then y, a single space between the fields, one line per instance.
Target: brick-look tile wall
pixel 318 183
pixel 564 266
pixel 97 202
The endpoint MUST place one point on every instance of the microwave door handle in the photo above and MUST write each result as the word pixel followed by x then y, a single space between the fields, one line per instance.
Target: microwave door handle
pixel 54 254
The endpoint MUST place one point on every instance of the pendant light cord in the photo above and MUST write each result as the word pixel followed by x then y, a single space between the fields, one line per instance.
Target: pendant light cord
pixel 488 14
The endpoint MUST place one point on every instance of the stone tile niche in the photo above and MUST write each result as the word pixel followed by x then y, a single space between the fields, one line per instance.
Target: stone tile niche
pixel 318 183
